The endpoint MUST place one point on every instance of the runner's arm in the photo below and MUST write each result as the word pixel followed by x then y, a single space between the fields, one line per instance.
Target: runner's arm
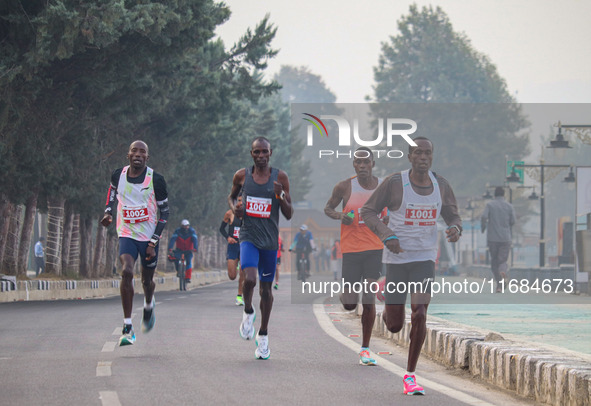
pixel 282 185
pixel 223 229
pixel 162 202
pixel 111 198
pixel 335 199
pixel 237 182
pixel 449 210
pixel 387 194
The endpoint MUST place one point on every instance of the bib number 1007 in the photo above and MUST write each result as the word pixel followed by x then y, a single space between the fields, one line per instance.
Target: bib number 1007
pixel 258 207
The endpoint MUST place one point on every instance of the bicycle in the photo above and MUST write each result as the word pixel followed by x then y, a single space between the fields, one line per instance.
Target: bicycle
pixel 181 266
pixel 302 266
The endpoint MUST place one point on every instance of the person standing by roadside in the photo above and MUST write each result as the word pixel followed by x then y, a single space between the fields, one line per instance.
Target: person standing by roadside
pixel 140 193
pixel 39 256
pixel 499 215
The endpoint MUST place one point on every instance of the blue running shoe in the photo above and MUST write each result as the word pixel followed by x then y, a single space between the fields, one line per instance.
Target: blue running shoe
pixel 366 359
pixel 128 337
pixel 149 318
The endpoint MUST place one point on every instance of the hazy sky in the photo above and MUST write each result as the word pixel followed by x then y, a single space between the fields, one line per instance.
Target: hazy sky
pixel 540 47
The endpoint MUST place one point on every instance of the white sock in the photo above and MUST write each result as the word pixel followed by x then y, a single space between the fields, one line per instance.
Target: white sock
pixel 410 373
pixel 127 321
pixel 146 305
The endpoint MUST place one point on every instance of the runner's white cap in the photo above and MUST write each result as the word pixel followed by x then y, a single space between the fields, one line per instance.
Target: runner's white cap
pixel 303 227
pixel 185 222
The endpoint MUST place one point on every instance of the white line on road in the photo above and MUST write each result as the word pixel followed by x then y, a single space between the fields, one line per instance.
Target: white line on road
pixel 109 399
pixel 103 368
pixel 117 331
pixel 109 346
pixel 326 324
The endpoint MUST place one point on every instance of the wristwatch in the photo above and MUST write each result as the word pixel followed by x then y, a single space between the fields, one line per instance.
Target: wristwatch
pixel 281 195
pixel 457 228
pixel 154 240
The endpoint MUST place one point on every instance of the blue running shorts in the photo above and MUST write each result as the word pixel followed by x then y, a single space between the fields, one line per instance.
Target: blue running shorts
pixel 134 248
pixel 264 260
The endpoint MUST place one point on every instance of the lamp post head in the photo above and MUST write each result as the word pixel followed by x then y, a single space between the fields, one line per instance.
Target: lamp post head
pixel 514 177
pixel 559 142
pixel 571 176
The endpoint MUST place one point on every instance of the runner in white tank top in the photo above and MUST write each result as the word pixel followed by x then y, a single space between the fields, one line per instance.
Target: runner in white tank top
pixel 415 199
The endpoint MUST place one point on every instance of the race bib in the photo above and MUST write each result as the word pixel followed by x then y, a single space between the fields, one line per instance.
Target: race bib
pixel 236 232
pixel 420 214
pixel 258 207
pixel 134 215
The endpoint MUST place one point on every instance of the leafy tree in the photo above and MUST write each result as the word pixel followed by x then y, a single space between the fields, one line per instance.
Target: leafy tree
pixel 80 80
pixel 300 85
pixel 428 62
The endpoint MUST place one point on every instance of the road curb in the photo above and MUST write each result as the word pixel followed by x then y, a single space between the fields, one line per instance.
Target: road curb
pixel 529 371
pixel 38 289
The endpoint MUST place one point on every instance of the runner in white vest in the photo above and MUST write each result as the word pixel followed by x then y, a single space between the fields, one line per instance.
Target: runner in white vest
pixel 140 193
pixel 415 198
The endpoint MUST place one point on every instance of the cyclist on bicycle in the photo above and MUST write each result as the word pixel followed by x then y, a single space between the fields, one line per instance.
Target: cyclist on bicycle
pixel 186 241
pixel 304 243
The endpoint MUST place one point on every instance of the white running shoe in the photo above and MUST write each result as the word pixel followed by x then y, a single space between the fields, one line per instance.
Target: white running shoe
pixel 247 325
pixel 262 351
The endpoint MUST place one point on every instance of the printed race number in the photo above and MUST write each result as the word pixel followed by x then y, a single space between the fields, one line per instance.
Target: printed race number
pixel 258 207
pixel 135 214
pixel 236 233
pixel 420 214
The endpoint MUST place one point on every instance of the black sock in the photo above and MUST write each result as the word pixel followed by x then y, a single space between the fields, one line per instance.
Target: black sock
pixel 249 312
pixel 262 332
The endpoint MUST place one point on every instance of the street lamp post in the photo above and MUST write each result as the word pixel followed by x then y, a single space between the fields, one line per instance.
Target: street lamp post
pixel 471 208
pixel 515 178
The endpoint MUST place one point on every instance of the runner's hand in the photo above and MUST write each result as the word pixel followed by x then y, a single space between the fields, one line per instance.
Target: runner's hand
pixel 394 246
pixel 150 253
pixel 239 209
pixel 346 220
pixel 452 234
pixel 106 220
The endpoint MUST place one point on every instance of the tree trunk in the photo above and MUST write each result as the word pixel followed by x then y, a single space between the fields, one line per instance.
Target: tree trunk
pixel 110 255
pixel 5 211
pixel 27 231
pixel 10 263
pixel 85 247
pixel 74 257
pixel 98 258
pixel 163 251
pixel 55 221
pixel 67 238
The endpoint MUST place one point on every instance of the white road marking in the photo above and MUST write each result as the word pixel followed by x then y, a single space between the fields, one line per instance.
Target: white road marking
pixel 109 346
pixel 103 368
pixel 109 399
pixel 117 331
pixel 326 324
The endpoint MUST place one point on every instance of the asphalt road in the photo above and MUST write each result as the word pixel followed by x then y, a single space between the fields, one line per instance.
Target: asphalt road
pixel 65 353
